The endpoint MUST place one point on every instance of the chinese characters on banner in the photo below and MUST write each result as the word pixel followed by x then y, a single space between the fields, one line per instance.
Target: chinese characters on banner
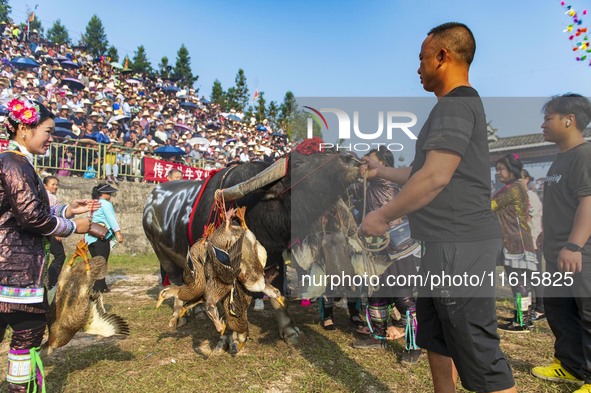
pixel 156 170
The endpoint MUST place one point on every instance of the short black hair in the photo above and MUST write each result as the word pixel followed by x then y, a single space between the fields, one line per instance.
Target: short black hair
pixel 457 38
pixel 571 104
pixel 46 179
pixel 383 154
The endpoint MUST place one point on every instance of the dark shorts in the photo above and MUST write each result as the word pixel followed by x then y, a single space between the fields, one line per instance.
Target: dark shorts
pixel 463 327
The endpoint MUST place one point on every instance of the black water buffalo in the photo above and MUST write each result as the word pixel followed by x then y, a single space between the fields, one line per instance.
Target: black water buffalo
pixel 277 200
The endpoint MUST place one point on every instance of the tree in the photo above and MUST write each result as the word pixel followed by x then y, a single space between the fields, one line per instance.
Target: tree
pixel 241 90
pixel 261 110
pixel 287 109
pixel 5 9
pixel 95 37
pixel 272 113
pixel 231 100
pixel 112 54
pixel 182 68
pixel 140 61
pixel 58 33
pixel 217 94
pixel 164 67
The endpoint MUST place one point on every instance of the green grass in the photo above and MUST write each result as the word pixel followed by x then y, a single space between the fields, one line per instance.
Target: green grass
pixel 157 359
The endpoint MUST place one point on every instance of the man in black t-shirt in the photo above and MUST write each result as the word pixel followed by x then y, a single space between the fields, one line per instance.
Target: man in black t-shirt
pixel 446 196
pixel 566 225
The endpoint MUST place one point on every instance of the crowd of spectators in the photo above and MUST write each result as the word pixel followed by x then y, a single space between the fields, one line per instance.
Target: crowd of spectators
pixel 92 96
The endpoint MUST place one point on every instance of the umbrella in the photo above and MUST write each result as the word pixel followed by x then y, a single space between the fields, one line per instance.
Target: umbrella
pixel 233 118
pixel 116 65
pixel 3 110
pixel 261 127
pixel 24 62
pixel 188 105
pixel 63 123
pixel 117 118
pixel 132 81
pixel 64 132
pixel 277 134
pixel 199 140
pixel 169 151
pixel 126 70
pixel 184 127
pixel 170 89
pixel 73 84
pixel 61 58
pixel 230 140
pixel 69 64
pixel 99 137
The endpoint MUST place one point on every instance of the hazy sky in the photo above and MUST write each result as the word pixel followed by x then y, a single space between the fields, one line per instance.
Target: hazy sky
pixel 343 48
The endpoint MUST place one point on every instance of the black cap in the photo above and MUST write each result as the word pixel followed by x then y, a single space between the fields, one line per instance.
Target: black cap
pixel 107 189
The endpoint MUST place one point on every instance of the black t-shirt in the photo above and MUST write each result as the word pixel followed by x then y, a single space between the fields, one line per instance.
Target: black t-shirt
pixel 568 178
pixel 461 212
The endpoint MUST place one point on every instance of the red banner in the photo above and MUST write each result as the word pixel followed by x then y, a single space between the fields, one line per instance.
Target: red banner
pixel 156 170
pixel 3 144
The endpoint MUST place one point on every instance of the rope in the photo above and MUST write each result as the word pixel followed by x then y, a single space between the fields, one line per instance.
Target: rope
pixel 519 309
pixel 37 370
pixel 308 175
pixel 410 332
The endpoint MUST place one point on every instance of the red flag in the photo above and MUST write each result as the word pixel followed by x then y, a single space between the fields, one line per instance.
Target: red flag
pixel 256 94
pixel 32 17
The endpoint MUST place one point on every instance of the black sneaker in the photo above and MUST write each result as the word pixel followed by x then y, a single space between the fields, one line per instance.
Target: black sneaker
pixel 411 356
pixel 515 328
pixel 369 343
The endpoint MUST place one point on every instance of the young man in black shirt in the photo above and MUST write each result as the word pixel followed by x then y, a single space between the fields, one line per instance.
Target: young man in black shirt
pixel 447 199
pixel 566 222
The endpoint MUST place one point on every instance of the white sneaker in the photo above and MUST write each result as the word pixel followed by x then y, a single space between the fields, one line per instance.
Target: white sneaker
pixel 259 305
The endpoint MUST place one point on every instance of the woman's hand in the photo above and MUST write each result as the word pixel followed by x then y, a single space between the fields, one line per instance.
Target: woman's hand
pixel 82 224
pixel 119 237
pixel 80 206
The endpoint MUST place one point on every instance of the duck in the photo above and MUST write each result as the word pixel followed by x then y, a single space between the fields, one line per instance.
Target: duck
pixel 193 288
pixel 75 307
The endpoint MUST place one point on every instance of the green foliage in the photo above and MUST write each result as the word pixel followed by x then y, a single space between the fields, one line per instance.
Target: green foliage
pixel 287 110
pixel 113 54
pixel 261 110
pixel 182 68
pixel 5 9
pixel 140 61
pixel 297 126
pixel 273 113
pixel 231 99
pixel 58 33
pixel 95 37
pixel 163 66
pixel 241 91
pixel 217 94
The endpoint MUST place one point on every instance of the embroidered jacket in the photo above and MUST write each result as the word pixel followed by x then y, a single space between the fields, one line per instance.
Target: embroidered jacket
pixel 25 218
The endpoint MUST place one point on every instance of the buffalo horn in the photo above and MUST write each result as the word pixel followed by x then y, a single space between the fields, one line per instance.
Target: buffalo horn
pixel 268 176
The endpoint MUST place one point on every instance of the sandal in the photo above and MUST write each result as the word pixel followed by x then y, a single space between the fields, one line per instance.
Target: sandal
pixel 327 324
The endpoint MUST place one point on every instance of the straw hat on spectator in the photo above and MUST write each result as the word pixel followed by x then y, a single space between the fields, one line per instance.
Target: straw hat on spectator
pixel 80 110
pixel 142 142
pixel 100 120
pixel 94 114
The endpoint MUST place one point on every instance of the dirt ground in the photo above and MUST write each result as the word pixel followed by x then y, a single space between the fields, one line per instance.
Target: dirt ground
pixel 157 358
